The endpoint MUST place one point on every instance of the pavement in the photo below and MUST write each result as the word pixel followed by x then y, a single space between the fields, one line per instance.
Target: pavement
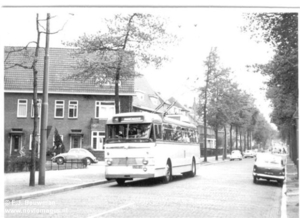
pixel 17 184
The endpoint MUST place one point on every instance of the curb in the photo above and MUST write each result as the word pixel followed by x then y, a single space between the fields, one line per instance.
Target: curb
pixel 74 187
pixel 284 198
pixel 56 190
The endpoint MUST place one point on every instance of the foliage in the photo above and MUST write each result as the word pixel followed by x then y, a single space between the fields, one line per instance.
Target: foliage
pixel 59 146
pixel 19 164
pixel 280 30
pixel 114 54
pixel 263 131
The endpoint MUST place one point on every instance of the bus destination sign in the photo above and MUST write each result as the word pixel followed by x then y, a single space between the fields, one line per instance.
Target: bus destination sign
pixel 128 119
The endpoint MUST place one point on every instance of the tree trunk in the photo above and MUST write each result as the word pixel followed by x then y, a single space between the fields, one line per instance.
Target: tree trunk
pixel 225 144
pixel 231 143
pixel 236 137
pixel 245 140
pixel 216 136
pixel 34 142
pixel 241 146
pixel 205 134
pixel 117 98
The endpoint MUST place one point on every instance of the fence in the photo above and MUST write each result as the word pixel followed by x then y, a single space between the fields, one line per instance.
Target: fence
pixel 23 164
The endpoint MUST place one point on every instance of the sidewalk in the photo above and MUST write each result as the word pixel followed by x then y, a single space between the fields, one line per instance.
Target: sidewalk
pixel 290 191
pixel 17 184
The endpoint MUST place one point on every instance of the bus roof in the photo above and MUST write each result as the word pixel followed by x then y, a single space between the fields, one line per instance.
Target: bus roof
pixel 144 117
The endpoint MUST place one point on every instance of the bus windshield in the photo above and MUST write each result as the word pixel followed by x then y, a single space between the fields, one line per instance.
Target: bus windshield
pixel 129 133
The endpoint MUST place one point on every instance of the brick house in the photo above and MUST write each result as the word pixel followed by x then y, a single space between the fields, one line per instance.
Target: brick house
pixel 78 110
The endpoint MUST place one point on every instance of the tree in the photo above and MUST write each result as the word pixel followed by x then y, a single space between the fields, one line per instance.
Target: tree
pixel 113 56
pixel 30 60
pixel 263 132
pixel 281 31
pixel 217 108
pixel 211 64
pixel 59 146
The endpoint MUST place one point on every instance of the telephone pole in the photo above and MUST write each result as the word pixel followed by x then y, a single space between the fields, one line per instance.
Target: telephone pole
pixel 44 109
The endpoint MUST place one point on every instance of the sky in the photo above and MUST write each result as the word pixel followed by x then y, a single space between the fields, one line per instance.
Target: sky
pixel 199 29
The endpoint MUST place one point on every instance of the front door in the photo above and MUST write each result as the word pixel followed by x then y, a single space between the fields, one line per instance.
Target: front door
pixel 15 144
pixel 98 140
pixel 76 141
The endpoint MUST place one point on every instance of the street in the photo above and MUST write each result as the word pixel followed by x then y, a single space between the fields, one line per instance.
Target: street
pixel 219 190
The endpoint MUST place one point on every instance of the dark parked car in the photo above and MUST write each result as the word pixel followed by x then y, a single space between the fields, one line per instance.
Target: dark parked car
pixel 270 167
pixel 75 154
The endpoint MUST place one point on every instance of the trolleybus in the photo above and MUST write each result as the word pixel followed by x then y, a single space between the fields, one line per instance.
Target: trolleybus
pixel 146 145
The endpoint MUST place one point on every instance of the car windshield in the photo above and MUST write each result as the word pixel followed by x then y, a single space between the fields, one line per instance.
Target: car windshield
pixel 269 159
pixel 129 133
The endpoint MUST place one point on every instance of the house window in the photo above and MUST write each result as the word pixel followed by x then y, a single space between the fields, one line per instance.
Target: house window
pixel 104 109
pixel 22 108
pixel 39 104
pixel 98 140
pixel 73 109
pixel 154 100
pixel 59 109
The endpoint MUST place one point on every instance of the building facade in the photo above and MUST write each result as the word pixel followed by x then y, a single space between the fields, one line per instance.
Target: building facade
pixel 78 110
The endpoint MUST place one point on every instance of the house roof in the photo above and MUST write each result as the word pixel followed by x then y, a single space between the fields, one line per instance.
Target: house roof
pixel 177 104
pixel 61 64
pixel 142 86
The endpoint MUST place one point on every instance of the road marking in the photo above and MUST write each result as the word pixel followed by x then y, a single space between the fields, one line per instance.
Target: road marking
pixel 109 211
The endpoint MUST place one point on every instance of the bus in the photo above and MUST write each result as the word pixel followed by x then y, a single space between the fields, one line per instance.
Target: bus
pixel 147 145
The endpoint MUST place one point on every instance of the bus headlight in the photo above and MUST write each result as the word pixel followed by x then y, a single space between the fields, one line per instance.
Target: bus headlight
pixel 145 161
pixel 109 162
pixel 145 169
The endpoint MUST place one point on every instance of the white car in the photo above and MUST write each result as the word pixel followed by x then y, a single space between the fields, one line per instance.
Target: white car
pixel 75 154
pixel 249 153
pixel 236 154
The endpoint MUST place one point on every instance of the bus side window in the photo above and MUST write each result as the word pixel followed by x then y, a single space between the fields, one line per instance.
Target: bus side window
pixel 158 132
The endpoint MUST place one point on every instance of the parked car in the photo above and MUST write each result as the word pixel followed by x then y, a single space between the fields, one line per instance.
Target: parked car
pixel 75 154
pixel 270 167
pixel 249 153
pixel 236 154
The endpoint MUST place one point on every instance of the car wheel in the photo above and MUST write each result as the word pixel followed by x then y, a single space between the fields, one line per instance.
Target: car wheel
pixel 120 181
pixel 60 161
pixel 88 161
pixel 280 182
pixel 255 179
pixel 241 159
pixel 168 177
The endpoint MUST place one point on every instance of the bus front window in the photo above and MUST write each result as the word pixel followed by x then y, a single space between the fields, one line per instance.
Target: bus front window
pixel 128 132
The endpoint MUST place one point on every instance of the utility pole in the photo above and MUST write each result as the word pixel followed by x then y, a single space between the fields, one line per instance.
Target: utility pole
pixel 44 109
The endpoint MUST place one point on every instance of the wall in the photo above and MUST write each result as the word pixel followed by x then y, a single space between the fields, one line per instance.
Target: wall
pixel 86 111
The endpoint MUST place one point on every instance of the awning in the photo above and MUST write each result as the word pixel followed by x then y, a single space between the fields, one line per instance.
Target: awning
pixel 77 132
pixel 16 131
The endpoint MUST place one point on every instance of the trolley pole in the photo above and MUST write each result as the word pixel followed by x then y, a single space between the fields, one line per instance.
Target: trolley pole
pixel 44 109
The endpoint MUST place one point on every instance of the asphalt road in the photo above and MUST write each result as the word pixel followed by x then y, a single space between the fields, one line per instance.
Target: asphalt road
pixel 219 190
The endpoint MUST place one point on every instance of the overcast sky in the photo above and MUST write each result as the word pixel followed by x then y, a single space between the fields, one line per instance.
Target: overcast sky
pixel 200 30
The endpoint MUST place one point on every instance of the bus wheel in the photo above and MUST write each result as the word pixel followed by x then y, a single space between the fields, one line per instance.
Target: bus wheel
pixel 193 172
pixel 168 177
pixel 120 181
